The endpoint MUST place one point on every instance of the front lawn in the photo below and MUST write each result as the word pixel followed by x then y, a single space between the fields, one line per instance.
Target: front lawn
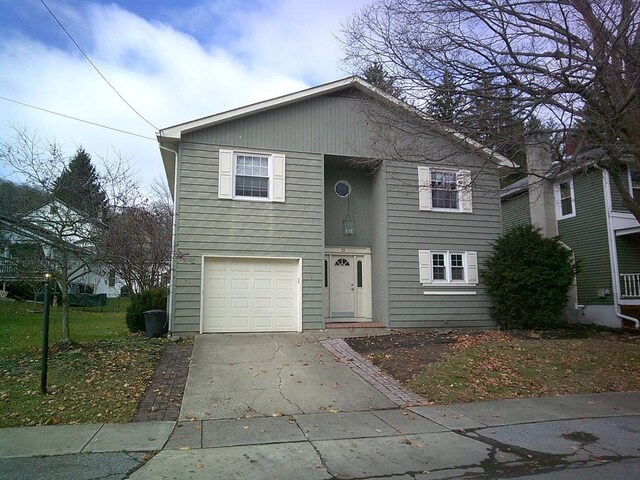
pixel 463 366
pixel 99 379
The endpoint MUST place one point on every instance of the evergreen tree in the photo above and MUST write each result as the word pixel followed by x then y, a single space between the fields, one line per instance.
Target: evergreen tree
pixel 446 101
pixel 377 76
pixel 79 186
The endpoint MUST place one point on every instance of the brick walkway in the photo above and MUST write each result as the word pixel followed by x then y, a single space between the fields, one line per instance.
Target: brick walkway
pixel 164 395
pixel 372 374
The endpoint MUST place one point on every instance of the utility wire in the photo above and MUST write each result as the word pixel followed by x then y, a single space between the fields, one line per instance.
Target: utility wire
pixel 96 68
pixel 76 118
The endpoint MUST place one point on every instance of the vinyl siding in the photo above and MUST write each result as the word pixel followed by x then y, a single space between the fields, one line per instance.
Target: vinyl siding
pixel 515 211
pixel 616 198
pixel 586 234
pixel 410 230
pixel 331 124
pixel 211 226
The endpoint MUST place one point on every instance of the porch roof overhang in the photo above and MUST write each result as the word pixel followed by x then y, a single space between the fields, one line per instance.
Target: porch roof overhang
pixel 624 224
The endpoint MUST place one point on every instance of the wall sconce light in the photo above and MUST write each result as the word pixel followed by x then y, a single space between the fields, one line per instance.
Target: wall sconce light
pixel 348 229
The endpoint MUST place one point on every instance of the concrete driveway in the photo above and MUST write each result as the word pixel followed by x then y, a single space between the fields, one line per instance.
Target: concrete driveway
pixel 270 375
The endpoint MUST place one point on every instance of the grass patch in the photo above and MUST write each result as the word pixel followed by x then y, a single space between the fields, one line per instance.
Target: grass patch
pixel 99 379
pixel 499 366
pixel 21 327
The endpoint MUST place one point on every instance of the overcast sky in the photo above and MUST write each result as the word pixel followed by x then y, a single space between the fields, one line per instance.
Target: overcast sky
pixel 171 63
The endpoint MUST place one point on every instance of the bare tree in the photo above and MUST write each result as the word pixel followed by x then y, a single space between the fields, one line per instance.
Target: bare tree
pixel 69 238
pixel 575 64
pixel 137 244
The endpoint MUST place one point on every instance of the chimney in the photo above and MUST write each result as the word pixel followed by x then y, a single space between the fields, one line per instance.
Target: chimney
pixel 541 198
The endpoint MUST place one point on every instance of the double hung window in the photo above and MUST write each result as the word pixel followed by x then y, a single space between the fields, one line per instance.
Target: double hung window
pixel 251 176
pixel 565 199
pixel 448 267
pixel 444 190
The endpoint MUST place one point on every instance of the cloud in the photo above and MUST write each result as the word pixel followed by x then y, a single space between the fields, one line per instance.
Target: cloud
pixel 169 73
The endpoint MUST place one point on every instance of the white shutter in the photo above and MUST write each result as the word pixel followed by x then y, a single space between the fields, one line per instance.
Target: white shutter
pixel 225 174
pixel 424 257
pixel 472 268
pixel 278 178
pixel 466 191
pixel 424 188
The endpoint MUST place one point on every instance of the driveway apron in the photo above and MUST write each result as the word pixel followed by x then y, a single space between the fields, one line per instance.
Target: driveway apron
pixel 270 375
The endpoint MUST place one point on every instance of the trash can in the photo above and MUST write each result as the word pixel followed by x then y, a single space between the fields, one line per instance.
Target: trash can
pixel 154 323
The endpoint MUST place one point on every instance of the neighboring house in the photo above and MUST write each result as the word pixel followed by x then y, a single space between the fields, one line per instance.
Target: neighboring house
pixel 28 242
pixel 290 215
pixel 581 205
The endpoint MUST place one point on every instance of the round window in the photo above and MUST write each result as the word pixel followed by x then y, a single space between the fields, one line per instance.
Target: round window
pixel 343 189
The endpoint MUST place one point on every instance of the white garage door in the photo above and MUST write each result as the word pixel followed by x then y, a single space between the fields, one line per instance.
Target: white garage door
pixel 250 295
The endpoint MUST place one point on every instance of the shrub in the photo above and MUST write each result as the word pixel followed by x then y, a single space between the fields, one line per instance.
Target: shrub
pixel 152 299
pixel 528 277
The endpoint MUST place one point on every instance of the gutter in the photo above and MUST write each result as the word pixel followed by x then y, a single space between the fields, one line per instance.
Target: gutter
pixel 613 249
pixel 173 238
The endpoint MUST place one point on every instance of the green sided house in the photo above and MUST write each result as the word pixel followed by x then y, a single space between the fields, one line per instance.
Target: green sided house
pixel 582 206
pixel 300 212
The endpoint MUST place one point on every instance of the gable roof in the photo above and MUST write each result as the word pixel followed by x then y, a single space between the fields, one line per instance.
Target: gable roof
pixel 169 137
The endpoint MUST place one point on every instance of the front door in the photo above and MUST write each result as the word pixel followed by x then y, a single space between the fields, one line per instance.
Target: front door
pixel 342 286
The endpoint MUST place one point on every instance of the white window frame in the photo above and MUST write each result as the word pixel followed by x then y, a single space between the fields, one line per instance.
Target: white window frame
pixel 463 188
pixel 250 198
pixel 227 171
pixel 629 170
pixel 558 198
pixel 469 265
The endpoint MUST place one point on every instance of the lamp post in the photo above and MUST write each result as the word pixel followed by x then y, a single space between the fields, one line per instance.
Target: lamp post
pixel 45 336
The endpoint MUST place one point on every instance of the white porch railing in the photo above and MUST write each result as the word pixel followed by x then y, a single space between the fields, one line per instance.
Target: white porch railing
pixel 630 285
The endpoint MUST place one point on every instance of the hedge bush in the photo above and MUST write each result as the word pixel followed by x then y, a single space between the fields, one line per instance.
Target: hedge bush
pixel 152 299
pixel 528 277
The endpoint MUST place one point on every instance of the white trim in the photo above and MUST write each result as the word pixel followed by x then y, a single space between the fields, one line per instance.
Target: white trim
pixel 255 257
pixel 174 222
pixel 449 292
pixel 557 193
pixel 629 179
pixel 363 304
pixel 347 250
pixel 424 188
pixel 613 249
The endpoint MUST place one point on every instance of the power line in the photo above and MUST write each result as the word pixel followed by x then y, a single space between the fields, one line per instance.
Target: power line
pixel 94 66
pixel 75 118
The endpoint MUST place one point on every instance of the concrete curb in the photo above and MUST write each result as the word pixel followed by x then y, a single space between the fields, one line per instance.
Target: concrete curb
pixel 69 439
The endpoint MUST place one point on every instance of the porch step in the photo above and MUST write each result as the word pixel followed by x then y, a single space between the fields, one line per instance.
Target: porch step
pixel 355 325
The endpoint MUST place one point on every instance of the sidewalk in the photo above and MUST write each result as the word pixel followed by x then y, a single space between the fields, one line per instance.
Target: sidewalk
pixel 557 437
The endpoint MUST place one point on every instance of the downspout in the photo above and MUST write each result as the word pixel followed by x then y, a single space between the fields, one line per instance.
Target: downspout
pixel 613 249
pixel 574 285
pixel 173 238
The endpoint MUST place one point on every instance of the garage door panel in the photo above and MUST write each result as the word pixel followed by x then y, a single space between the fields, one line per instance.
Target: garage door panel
pixel 264 303
pixel 240 322
pixel 250 295
pixel 239 302
pixel 262 284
